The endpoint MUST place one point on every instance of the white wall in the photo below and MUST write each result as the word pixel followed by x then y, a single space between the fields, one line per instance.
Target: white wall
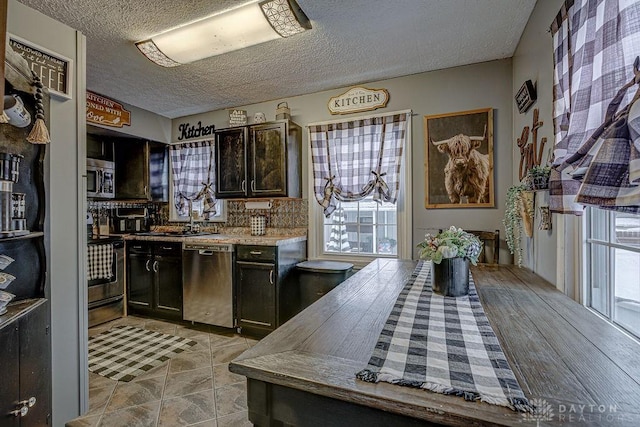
pixel 65 284
pixel 456 89
pixel 533 60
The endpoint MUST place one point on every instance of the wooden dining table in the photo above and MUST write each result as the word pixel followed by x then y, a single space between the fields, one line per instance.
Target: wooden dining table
pixel 576 367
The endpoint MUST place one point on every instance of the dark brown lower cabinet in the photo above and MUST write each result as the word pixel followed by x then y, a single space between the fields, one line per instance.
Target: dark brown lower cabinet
pixel 257 286
pixel 264 275
pixel 25 390
pixel 154 279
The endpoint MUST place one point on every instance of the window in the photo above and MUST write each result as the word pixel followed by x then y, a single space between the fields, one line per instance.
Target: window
pixel 362 212
pixel 613 266
pixel 363 227
pixel 192 186
pixel 197 206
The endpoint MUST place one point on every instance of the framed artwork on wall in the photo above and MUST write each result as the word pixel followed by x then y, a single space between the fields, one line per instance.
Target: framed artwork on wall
pixel 458 150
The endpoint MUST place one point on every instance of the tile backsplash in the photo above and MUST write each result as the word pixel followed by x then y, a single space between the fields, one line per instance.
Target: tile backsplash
pixel 285 213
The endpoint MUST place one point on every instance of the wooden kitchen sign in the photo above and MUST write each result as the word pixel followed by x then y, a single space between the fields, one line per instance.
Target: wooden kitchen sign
pixel 106 112
pixel 358 99
pixel 53 69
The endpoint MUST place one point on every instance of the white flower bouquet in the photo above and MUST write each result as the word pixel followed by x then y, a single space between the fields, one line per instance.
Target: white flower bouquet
pixel 451 243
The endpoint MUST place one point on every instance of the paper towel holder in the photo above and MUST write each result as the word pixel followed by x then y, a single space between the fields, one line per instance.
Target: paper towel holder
pixel 258 204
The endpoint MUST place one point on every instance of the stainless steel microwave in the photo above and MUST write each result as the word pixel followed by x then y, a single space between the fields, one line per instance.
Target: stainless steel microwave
pixel 100 179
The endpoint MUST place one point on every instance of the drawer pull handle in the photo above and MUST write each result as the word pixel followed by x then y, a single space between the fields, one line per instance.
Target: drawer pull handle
pixel 256 252
pixel 24 410
pixel 167 248
pixel 255 322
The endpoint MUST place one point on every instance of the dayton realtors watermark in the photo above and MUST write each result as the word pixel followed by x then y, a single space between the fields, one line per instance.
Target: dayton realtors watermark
pixel 577 414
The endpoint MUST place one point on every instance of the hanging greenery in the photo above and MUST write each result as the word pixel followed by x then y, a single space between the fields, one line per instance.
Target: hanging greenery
pixel 513 221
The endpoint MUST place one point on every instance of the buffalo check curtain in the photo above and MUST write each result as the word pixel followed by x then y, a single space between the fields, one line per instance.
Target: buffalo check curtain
pixel 193 173
pixel 595 44
pixel 355 158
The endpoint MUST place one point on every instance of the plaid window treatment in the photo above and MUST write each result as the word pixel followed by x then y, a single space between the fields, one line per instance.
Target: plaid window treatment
pixel 192 169
pixel 595 43
pixel 356 158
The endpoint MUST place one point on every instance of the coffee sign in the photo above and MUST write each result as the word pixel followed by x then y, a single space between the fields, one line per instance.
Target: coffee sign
pixel 106 112
pixel 358 99
pixel 53 69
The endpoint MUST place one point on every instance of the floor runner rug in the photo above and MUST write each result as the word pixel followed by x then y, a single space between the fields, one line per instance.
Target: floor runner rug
pixel 124 352
pixel 443 344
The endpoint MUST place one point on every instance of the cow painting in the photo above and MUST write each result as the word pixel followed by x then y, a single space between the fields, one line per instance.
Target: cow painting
pixel 466 173
pixel 459 159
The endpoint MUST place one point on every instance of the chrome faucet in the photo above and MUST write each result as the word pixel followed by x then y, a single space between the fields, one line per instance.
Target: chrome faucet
pixel 191 227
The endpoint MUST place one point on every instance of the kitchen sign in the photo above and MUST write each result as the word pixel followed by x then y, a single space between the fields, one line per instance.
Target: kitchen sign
pixel 106 112
pixel 53 69
pixel 358 99
pixel 189 131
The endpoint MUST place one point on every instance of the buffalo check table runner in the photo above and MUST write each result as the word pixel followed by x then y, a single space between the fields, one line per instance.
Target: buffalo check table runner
pixel 124 352
pixel 445 345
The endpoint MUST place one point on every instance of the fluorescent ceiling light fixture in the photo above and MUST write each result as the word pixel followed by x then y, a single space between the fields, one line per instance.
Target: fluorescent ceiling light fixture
pixel 247 25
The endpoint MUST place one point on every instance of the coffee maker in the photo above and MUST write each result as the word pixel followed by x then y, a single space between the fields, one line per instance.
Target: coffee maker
pixel 9 172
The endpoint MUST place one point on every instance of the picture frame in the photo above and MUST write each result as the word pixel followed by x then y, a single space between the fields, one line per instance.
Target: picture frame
pixel 458 159
pixel 55 70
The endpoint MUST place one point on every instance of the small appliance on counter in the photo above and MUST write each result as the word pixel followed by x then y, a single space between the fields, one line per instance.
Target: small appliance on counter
pixel 12 205
pixel 131 220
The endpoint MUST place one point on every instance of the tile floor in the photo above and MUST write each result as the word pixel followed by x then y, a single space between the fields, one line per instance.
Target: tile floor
pixel 194 388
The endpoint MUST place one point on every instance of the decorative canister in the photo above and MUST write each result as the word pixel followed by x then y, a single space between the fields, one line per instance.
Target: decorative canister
pixel 18 205
pixel 451 277
pixel 283 112
pixel 258 225
pixel 259 118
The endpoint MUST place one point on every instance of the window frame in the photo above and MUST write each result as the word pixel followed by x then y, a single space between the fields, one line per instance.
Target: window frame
pixel 375 224
pixel 404 207
pixel 590 242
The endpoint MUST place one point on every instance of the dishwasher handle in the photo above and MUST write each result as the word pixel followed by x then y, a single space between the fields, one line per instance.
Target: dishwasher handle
pixel 205 252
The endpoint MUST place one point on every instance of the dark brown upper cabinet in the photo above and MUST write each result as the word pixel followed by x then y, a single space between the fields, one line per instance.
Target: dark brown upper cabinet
pixel 261 160
pixel 142 169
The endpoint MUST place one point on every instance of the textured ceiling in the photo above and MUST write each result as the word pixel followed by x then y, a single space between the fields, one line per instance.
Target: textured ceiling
pixel 352 41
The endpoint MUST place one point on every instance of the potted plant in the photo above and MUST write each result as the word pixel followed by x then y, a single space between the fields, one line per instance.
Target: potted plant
pixel 538 177
pixel 450 251
pixel 518 213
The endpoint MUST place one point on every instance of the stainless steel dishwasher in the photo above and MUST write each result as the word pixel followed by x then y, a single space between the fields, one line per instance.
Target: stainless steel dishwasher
pixel 208 295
